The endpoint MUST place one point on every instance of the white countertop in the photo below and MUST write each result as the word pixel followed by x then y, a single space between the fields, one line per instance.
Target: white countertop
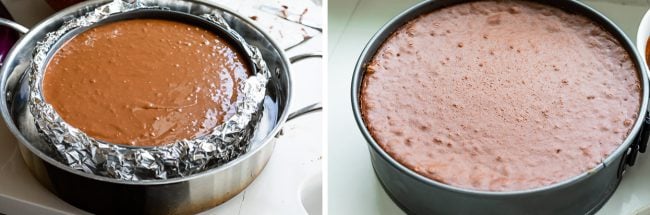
pixel 293 174
pixel 352 185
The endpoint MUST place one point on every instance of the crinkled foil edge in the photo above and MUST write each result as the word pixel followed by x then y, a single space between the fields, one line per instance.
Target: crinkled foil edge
pixel 181 158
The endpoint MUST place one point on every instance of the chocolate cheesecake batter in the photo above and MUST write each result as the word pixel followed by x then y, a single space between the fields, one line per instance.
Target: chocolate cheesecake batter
pixel 145 82
pixel 500 95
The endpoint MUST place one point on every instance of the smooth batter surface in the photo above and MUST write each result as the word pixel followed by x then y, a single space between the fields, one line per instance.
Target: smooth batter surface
pixel 145 82
pixel 500 96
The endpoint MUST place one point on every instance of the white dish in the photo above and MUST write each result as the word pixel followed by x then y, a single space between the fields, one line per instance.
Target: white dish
pixel 642 36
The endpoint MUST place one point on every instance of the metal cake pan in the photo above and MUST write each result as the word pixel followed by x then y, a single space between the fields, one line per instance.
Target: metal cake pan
pixel 583 194
pixel 184 195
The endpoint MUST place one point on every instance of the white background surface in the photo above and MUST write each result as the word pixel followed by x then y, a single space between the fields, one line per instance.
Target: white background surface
pixel 294 166
pixel 353 188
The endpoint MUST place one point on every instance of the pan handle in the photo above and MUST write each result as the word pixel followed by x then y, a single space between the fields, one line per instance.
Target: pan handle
pixel 301 57
pixel 305 110
pixel 309 108
pixel 13 25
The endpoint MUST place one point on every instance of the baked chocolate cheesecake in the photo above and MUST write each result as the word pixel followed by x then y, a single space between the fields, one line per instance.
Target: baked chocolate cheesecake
pixel 500 95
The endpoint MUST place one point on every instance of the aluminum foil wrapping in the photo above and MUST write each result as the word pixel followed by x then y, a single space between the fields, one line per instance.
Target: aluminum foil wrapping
pixel 181 158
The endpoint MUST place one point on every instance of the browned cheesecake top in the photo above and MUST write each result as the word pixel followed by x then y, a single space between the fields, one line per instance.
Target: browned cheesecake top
pixel 500 95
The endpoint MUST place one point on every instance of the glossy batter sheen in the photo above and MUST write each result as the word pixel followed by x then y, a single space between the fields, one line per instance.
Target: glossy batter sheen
pixel 145 82
pixel 500 95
